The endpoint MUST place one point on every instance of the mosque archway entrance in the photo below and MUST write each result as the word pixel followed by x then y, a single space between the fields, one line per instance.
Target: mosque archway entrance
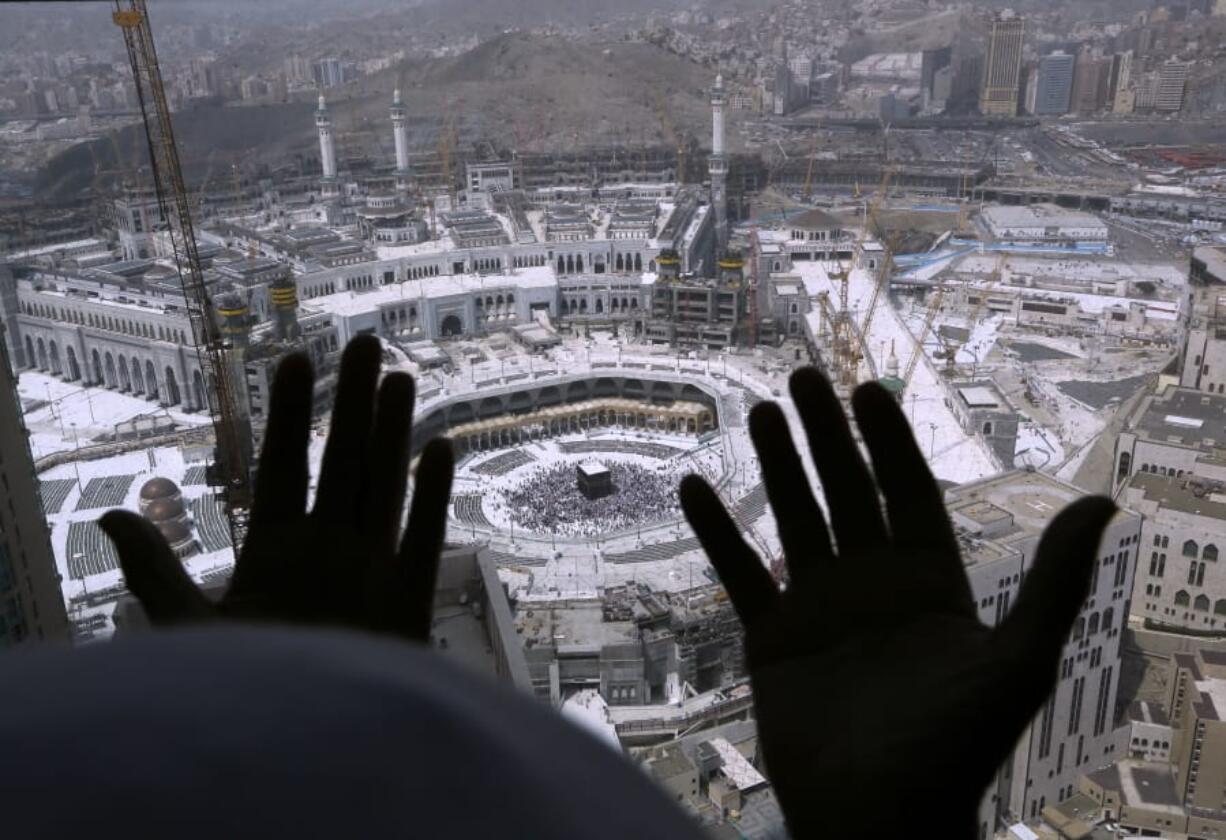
pixel 451 326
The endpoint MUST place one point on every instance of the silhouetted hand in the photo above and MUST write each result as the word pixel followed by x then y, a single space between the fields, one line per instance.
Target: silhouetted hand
pixel 883 703
pixel 339 563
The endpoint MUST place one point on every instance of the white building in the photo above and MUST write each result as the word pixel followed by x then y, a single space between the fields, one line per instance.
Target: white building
pixel 1047 223
pixel 999 521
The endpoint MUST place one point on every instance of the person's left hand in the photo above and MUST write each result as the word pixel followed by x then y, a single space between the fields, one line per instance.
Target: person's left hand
pixel 339 563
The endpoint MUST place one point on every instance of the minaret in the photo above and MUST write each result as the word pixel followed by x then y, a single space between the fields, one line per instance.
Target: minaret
pixel 717 166
pixel 327 146
pixel 400 132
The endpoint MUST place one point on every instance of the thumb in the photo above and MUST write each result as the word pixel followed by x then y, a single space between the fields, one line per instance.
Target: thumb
pixel 153 573
pixel 1031 638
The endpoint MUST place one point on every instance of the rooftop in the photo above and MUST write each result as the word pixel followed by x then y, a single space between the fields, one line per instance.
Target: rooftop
pixel 1184 417
pixel 1145 784
pixel 1184 494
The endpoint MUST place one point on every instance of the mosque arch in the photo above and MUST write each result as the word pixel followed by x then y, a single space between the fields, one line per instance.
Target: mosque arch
pixel 198 390
pixel 172 386
pixel 109 368
pixel 125 383
pixel 54 357
pixel 97 363
pixel 138 379
pixel 151 380
pixel 42 355
pixel 74 370
pixel 451 326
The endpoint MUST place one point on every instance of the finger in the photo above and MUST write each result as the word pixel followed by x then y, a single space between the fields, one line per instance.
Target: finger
pixel 749 584
pixel 341 485
pixel 152 572
pixel 801 524
pixel 1030 640
pixel 283 475
pixel 919 523
pixel 389 462
pixel 851 495
pixel 417 564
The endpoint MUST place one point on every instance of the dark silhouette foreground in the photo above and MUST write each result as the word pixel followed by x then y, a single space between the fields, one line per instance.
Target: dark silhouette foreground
pixel 883 705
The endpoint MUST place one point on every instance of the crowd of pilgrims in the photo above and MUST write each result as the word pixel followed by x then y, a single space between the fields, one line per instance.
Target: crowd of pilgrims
pixel 548 500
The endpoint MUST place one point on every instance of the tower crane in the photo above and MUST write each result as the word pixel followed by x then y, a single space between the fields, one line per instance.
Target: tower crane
pixel 807 192
pixel 231 427
pixel 671 134
pixel 934 306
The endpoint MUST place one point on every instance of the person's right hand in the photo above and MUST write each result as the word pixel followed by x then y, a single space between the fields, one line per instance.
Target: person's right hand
pixel 882 702
pixel 341 563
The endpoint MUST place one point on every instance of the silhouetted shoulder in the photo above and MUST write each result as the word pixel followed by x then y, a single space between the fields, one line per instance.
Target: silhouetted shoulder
pixel 260 732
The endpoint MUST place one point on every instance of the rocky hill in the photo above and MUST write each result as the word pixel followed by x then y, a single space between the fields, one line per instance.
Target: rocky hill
pixel 531 92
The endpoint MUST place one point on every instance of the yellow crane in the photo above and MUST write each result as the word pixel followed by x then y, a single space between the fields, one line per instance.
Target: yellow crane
pixel 934 306
pixel 807 192
pixel 884 268
pixel 232 430
pixel 671 134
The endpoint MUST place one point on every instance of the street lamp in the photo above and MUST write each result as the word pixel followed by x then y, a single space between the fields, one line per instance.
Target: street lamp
pixel 932 442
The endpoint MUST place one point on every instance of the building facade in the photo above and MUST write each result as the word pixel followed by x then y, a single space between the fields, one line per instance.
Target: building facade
pixel 1002 69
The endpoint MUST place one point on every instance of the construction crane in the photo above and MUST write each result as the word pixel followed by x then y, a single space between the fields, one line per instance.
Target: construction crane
pixel 807 191
pixel 883 281
pixel 754 259
pixel 671 134
pixel 446 153
pixel 233 438
pixel 934 306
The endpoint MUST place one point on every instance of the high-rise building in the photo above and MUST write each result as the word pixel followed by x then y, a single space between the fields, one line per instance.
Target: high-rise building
pixel 31 605
pixel 1172 81
pixel 932 62
pixel 1002 69
pixel 1121 76
pixel 1055 85
pixel 1003 518
pixel 1091 76
pixel 298 69
pixel 329 72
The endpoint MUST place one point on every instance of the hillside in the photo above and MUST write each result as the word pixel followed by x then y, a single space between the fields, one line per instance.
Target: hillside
pixel 531 92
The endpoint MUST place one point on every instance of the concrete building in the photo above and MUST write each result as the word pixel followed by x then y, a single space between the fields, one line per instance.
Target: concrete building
pixel 1175 433
pixel 1091 80
pixel 1180 583
pixel 636 647
pixel 693 312
pixel 1047 223
pixel 998 95
pixel 31 606
pixel 998 522
pixel 1203 364
pixel 1150 733
pixel 982 409
pixel 1172 82
pixel 1184 795
pixel 1054 85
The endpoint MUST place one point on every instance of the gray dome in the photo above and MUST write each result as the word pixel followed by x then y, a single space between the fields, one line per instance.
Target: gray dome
pixel 159 488
pixel 176 533
pixel 163 510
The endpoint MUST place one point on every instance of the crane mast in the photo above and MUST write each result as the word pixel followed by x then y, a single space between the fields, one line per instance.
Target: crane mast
pixel 233 440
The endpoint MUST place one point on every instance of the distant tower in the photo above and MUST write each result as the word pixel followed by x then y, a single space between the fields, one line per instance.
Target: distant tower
pixel 327 146
pixel 717 166
pixel 1002 70
pixel 400 132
